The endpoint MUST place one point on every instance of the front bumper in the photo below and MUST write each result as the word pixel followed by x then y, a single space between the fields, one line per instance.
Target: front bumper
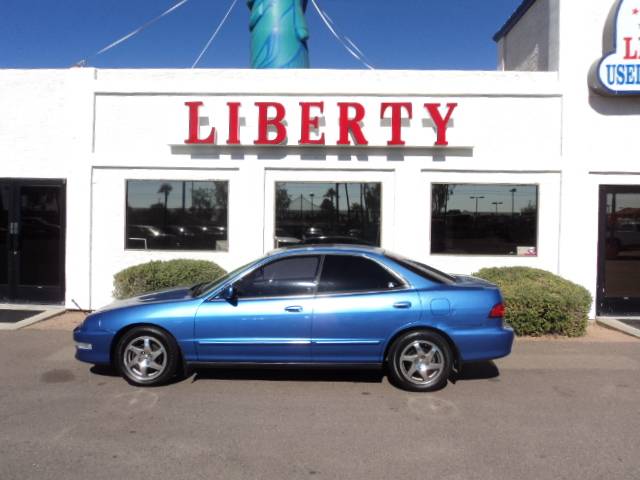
pixel 93 346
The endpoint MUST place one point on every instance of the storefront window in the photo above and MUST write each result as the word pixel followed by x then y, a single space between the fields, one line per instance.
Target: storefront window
pixel 176 215
pixel 311 213
pixel 484 219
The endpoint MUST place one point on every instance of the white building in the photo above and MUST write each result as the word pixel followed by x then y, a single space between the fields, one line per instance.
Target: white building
pixel 103 169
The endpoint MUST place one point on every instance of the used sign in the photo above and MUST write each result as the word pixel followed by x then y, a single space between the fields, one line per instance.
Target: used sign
pixel 618 71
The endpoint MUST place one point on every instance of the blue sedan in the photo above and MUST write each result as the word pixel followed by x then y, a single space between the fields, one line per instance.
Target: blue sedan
pixel 325 306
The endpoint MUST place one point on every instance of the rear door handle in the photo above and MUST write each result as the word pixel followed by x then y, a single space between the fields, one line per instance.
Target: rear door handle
pixel 402 305
pixel 293 309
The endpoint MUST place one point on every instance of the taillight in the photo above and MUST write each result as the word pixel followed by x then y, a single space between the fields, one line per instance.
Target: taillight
pixel 497 311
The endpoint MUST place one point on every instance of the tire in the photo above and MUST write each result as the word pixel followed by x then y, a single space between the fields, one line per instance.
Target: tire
pixel 420 361
pixel 147 356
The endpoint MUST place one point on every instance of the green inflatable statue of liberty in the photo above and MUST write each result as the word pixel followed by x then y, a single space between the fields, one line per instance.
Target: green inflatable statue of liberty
pixel 279 34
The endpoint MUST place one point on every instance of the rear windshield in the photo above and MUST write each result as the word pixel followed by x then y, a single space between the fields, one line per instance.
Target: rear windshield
pixel 425 271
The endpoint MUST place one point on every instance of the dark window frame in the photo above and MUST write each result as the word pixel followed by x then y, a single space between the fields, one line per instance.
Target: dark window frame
pixel 166 180
pixel 487 184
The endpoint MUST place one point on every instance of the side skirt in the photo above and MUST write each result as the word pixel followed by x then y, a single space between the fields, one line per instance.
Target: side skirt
pixel 274 365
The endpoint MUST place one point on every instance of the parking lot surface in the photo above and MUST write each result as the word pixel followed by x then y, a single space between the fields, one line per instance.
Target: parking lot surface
pixel 553 410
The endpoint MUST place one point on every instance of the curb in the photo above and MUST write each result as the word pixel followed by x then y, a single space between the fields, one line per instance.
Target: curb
pixel 615 324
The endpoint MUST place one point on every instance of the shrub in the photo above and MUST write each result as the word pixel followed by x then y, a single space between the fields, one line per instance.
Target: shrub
pixel 157 275
pixel 539 302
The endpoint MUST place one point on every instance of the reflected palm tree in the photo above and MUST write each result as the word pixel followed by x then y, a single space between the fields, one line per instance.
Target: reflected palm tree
pixel 165 189
pixel 440 194
pixel 283 202
pixel 346 190
pixel 331 193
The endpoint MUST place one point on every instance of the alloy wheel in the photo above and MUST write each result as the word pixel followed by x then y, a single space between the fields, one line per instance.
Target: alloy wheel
pixel 145 358
pixel 422 363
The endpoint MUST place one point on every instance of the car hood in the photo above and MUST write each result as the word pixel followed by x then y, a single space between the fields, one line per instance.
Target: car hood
pixel 169 295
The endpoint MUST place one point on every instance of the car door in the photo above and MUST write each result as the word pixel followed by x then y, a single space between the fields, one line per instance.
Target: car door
pixel 359 304
pixel 267 321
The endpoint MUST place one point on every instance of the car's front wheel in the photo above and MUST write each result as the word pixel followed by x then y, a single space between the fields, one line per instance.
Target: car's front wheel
pixel 147 356
pixel 420 361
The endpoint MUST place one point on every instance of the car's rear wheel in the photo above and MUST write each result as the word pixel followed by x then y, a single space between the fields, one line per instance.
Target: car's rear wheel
pixel 147 356
pixel 420 361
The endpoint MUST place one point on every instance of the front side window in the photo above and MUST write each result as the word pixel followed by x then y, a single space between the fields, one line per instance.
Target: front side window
pixel 177 215
pixel 320 213
pixel 344 273
pixel 282 278
pixel 484 219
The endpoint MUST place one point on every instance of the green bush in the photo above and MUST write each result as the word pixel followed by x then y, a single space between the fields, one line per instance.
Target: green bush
pixel 539 302
pixel 157 275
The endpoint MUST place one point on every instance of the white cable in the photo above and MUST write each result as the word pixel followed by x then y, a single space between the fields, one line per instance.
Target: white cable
pixel 136 31
pixel 338 37
pixel 345 41
pixel 215 34
pixel 349 41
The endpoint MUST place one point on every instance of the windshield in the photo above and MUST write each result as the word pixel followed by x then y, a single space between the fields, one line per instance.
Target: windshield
pixel 425 271
pixel 202 288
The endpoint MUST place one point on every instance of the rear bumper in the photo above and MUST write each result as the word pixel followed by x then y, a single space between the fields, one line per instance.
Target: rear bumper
pixel 93 346
pixel 483 344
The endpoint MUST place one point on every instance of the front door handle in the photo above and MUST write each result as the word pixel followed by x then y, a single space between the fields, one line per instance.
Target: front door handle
pixel 402 305
pixel 293 309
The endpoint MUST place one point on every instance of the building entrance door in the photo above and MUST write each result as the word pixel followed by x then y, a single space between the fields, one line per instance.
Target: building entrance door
pixel 32 240
pixel 619 251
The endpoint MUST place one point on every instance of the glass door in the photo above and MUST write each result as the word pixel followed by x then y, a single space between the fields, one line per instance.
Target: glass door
pixel 619 251
pixel 5 239
pixel 32 240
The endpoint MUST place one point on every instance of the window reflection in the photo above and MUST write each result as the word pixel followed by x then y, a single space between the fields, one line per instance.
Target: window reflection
pixel 313 213
pixel 287 277
pixel 40 235
pixel 484 219
pixel 177 215
pixel 4 233
pixel 622 245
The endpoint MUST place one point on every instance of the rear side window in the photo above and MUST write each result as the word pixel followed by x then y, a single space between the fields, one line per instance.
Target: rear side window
pixel 425 271
pixel 345 273
pixel 282 278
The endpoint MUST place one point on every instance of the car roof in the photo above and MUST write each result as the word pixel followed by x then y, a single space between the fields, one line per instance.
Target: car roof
pixel 327 249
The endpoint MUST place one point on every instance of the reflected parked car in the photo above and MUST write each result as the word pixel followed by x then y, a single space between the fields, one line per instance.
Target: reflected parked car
pixel 335 239
pixel 311 306
pixel 313 232
pixel 208 235
pixel 148 236
pixel 284 241
pixel 628 234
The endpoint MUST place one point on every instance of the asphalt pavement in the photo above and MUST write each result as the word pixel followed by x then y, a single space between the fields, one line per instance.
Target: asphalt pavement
pixel 552 410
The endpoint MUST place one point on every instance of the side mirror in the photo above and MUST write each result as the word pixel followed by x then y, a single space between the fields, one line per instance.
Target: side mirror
pixel 230 294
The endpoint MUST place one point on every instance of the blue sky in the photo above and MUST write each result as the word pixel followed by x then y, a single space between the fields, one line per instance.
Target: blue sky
pixel 394 34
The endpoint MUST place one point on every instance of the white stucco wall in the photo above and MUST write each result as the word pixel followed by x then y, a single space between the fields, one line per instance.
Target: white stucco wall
pixel 46 132
pixel 598 136
pixel 532 43
pixel 97 128
pixel 103 127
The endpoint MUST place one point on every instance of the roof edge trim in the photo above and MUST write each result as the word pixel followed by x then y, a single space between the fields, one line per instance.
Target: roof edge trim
pixel 513 19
